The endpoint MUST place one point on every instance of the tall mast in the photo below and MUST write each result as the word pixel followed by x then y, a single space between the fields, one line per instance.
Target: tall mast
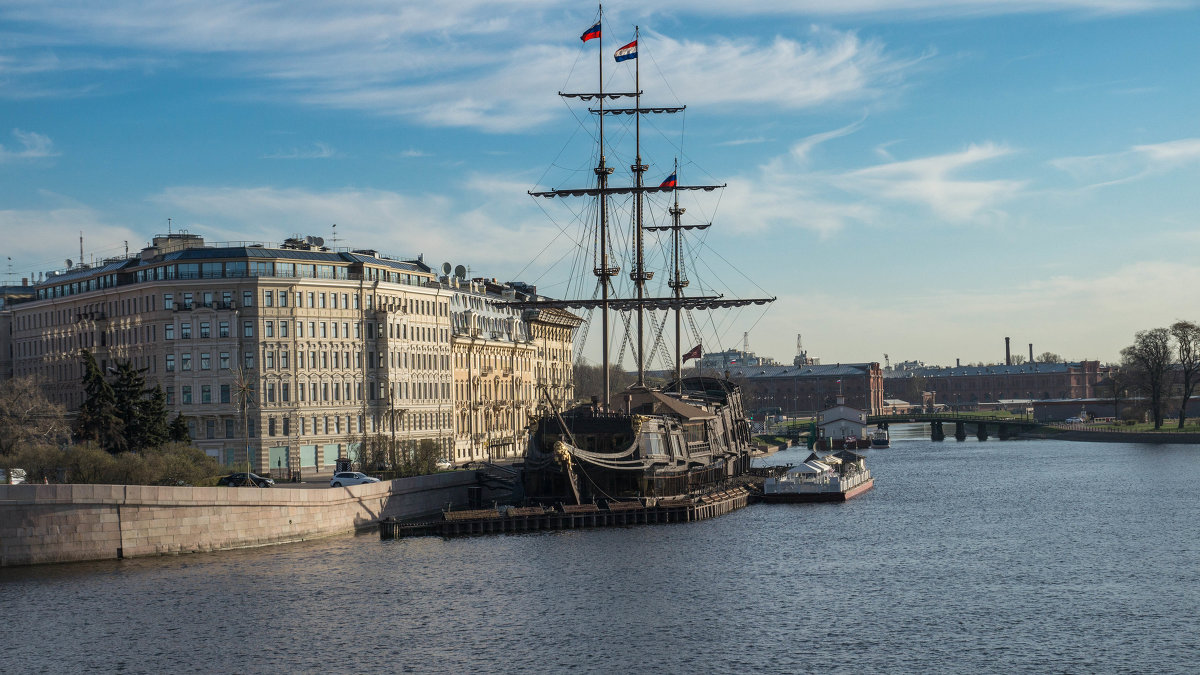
pixel 602 173
pixel 639 270
pixel 677 282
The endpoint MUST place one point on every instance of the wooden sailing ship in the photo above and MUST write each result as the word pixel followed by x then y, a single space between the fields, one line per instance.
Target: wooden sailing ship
pixel 684 438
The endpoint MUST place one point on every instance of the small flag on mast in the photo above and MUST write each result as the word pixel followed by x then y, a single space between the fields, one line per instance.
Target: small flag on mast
pixel 669 182
pixel 627 52
pixel 593 32
pixel 693 353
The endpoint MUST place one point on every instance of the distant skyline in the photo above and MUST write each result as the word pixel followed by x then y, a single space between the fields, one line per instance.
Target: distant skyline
pixel 919 178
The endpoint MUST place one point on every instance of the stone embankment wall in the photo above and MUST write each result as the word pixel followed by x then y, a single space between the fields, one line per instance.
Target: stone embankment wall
pixel 61 523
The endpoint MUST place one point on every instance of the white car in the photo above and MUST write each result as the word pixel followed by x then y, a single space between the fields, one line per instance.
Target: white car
pixel 347 478
pixel 1074 420
pixel 444 464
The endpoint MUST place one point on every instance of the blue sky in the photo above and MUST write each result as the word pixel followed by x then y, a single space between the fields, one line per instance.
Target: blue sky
pixel 913 177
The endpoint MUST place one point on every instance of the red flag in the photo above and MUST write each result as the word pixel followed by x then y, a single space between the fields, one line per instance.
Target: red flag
pixel 694 353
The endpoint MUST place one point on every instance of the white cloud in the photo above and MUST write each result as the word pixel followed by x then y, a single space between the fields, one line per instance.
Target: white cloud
pixel 493 233
pixel 58 230
pixel 1137 162
pixel 934 182
pixel 32 146
pixel 318 150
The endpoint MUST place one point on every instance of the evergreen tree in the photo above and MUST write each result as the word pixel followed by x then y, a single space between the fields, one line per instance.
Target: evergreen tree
pixel 129 391
pixel 157 427
pixel 98 419
pixel 179 430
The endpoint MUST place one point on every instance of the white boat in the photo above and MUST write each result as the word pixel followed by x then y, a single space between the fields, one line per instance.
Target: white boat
pixel 880 439
pixel 834 477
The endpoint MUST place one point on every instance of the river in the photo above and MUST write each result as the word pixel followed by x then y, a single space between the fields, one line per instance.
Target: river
pixel 1016 556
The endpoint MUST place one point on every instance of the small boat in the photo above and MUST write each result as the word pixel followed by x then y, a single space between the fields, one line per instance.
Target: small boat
pixel 880 439
pixel 823 477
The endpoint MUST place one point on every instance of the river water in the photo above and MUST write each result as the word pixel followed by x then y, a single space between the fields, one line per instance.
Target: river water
pixel 1015 556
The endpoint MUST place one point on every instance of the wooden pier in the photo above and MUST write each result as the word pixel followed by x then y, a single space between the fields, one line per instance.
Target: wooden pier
pixel 508 519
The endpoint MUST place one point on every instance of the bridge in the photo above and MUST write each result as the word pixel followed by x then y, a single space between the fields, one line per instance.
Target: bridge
pixel 1006 427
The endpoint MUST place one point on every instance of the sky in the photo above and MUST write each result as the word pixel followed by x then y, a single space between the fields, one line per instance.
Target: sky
pixel 915 178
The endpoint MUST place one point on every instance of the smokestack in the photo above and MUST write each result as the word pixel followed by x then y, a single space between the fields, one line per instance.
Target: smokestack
pixel 1031 352
pixel 957 363
pixel 1007 351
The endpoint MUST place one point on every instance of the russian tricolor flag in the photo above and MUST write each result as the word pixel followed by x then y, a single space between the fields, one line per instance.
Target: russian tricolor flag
pixel 669 182
pixel 627 52
pixel 593 32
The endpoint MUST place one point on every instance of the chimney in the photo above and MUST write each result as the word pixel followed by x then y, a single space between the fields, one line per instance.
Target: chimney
pixel 1007 352
pixel 24 281
pixel 957 363
pixel 1031 352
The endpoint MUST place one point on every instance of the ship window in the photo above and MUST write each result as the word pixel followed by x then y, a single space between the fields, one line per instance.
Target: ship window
pixel 652 444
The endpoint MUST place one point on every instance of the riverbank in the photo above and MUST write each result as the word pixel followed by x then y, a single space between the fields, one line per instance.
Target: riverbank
pixel 65 523
pixel 1084 435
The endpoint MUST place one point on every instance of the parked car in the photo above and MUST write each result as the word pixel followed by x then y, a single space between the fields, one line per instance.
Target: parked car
pixel 444 464
pixel 347 478
pixel 247 479
pixel 1074 420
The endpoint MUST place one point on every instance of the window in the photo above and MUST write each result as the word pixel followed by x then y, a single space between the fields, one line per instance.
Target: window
pixel 335 360
pixel 312 329
pixel 324 359
pixel 312 359
pixel 270 327
pixel 357 328
pixel 335 330
pixel 185 361
pixel 283 298
pixel 284 396
pixel 187 394
pixel 268 298
pixel 333 301
pixel 310 299
pixel 208 297
pixel 223 329
pixel 269 360
pixel 299 329
pixel 170 395
pixel 229 429
pixel 205 329
pixel 187 300
pixel 224 393
pixel 205 361
pixel 169 331
pixel 249 359
pixel 283 360
pixel 185 331
pixel 227 299
pixel 283 329
pixel 168 301
pixel 345 302
pixel 287 428
pixel 170 363
pixel 324 334
pixel 270 393
pixel 248 329
pixel 321 299
pixel 206 393
pixel 224 361
pixel 247 299
pixel 355 296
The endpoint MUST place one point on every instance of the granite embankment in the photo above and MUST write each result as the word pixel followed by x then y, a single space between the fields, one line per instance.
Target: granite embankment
pixel 61 523
pixel 1093 436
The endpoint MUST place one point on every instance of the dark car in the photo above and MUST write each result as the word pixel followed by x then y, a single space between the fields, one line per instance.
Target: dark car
pixel 246 479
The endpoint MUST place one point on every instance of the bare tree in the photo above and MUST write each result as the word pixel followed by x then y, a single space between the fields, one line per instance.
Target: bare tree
pixel 1187 346
pixel 1017 359
pixel 28 418
pixel 1148 359
pixel 1050 357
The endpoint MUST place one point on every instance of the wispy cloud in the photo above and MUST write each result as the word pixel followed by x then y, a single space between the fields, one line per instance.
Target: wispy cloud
pixel 318 150
pixel 32 146
pixel 1137 162
pixel 412 152
pixel 801 149
pixel 936 182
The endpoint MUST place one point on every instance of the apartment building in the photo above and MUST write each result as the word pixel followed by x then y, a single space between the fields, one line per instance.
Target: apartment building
pixel 280 356
pixel 509 364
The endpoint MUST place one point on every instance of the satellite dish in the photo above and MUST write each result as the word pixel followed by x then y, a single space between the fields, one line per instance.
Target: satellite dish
pixel 460 272
pixel 446 268
pixel 69 263
pixel 319 241
pixel 309 240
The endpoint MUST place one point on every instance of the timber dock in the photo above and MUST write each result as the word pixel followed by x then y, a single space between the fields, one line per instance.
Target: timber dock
pixel 508 519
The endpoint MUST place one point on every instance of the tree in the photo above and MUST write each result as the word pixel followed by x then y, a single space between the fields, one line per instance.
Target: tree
pixel 1017 359
pixel 1187 346
pixel 1118 384
pixel 1148 360
pixel 28 418
pixel 1050 357
pixel 179 430
pixel 156 429
pixel 589 380
pixel 98 419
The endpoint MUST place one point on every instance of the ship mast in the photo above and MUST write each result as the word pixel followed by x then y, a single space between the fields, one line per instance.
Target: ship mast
pixel 639 275
pixel 603 272
pixel 677 283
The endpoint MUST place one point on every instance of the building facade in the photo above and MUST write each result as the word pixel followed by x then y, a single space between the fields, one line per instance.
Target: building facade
pixel 968 386
pixel 805 389
pixel 284 357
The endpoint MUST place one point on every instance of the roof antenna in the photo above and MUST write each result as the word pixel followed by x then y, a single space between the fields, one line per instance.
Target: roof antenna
pixel 81 246
pixel 333 238
pixel 168 227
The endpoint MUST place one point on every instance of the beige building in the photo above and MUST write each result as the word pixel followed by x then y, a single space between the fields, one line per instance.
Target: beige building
pixel 324 346
pixel 508 365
